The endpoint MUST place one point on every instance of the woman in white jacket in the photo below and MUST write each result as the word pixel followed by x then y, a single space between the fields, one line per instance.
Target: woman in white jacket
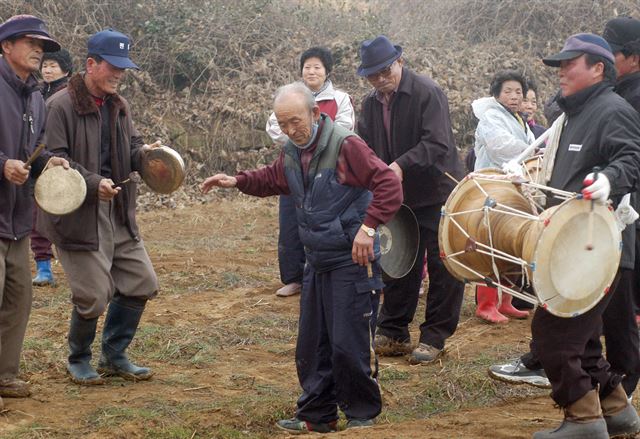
pixel 501 135
pixel 316 64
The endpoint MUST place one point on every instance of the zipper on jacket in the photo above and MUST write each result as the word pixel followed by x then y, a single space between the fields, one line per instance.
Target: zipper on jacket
pixel 24 143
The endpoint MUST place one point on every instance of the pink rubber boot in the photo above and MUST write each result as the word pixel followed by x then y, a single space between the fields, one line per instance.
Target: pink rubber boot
pixel 487 302
pixel 508 309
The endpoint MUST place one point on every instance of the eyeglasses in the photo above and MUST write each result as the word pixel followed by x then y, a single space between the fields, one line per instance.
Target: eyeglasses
pixel 384 73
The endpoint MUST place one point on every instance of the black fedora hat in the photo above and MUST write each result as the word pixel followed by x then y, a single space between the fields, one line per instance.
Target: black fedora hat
pixel 377 54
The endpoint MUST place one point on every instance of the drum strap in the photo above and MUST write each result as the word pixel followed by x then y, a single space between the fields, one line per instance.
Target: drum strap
pixel 550 152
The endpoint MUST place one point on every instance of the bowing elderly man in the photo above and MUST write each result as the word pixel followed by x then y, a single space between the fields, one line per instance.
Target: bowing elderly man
pixel 342 192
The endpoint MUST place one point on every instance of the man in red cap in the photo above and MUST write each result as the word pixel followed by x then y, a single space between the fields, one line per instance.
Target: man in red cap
pixel 23 39
pixel 99 245
pixel 405 120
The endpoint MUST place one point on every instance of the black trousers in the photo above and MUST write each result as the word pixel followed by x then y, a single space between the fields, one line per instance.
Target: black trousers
pixel 570 351
pixel 291 257
pixel 620 332
pixel 335 360
pixel 444 297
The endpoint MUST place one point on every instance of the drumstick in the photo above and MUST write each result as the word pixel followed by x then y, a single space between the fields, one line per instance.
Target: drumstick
pixel 120 184
pixel 451 177
pixel 589 245
pixel 34 156
pixel 134 177
pixel 369 270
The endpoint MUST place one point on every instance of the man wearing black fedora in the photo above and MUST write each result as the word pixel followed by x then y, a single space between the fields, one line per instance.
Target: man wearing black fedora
pixel 405 120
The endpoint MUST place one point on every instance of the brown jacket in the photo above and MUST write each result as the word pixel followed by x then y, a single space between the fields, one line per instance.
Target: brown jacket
pixel 422 142
pixel 73 131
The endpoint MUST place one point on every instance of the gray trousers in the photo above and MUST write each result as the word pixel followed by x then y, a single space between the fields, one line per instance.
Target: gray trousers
pixel 15 302
pixel 120 264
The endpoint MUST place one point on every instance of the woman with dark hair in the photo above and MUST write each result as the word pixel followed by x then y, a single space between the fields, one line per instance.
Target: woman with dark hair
pixel 501 135
pixel 56 68
pixel 529 108
pixel 316 64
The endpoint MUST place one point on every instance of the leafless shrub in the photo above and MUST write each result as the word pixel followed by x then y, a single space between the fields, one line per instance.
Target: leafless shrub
pixel 210 67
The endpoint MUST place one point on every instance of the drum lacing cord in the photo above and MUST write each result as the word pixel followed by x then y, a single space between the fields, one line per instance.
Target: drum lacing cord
pixel 486 209
pixel 492 253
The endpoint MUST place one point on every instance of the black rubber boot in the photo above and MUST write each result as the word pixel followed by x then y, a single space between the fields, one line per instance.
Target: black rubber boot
pixel 81 334
pixel 120 327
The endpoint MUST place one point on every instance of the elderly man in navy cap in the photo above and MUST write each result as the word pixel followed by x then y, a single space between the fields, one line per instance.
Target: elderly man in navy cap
pixel 600 130
pixel 23 40
pixel 405 120
pixel 99 245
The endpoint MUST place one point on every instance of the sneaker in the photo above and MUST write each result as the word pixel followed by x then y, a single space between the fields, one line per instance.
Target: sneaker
pixel 297 426
pixel 424 354
pixel 517 373
pixel 14 388
pixel 360 423
pixel 289 290
pixel 390 347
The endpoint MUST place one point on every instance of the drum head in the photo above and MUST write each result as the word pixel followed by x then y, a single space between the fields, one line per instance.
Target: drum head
pixel 162 170
pixel 399 243
pixel 60 191
pixel 569 279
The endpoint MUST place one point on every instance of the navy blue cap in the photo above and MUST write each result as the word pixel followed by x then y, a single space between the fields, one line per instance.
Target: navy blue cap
pixel 113 47
pixel 579 44
pixel 28 26
pixel 377 54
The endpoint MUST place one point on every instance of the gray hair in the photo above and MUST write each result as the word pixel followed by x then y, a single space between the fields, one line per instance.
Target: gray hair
pixel 298 88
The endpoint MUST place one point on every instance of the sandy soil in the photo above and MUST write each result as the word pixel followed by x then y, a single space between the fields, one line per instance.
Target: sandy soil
pixel 222 346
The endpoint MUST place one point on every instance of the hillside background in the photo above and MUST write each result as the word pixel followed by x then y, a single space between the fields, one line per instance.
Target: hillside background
pixel 209 68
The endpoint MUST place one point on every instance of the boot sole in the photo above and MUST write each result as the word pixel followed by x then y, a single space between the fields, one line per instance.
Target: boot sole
pixel 296 432
pixel 393 350
pixel 10 393
pixel 624 435
pixel 127 376
pixel 415 361
pixel 511 316
pixel 93 382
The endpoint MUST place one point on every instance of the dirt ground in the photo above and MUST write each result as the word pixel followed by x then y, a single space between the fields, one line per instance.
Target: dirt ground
pixel 222 347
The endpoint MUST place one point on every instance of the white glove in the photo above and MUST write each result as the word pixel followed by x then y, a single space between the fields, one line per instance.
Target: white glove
pixel 625 214
pixel 512 167
pixel 597 190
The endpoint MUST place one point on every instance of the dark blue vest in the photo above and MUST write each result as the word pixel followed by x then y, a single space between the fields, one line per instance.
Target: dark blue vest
pixel 329 214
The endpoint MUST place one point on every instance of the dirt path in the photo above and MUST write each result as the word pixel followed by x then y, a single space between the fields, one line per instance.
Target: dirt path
pixel 222 346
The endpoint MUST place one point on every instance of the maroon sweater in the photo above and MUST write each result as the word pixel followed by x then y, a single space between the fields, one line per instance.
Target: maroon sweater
pixel 357 166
